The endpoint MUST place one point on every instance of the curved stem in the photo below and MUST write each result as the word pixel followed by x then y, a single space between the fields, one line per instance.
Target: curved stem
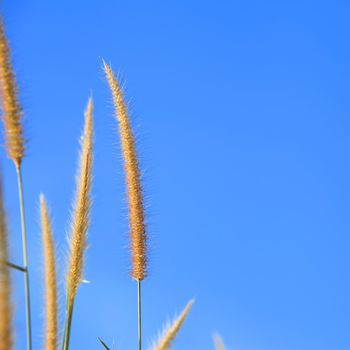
pixel 25 257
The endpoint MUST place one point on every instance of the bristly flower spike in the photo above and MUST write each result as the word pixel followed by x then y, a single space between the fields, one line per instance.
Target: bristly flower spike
pixel 11 109
pixel 51 309
pixel 168 336
pixel 138 237
pixel 80 220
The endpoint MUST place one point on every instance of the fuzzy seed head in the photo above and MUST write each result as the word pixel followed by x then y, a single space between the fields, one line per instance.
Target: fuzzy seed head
pixel 51 331
pixel 168 336
pixel 11 110
pixel 81 210
pixel 219 344
pixel 138 236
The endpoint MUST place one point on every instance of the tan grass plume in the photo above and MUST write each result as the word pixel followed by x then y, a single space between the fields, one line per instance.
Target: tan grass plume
pixel 11 109
pixel 6 336
pixel 138 235
pixel 218 342
pixel 81 211
pixel 51 331
pixel 170 332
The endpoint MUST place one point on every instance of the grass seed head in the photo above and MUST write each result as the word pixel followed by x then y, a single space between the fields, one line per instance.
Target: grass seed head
pixel 168 336
pixel 81 209
pixel 51 331
pixel 138 236
pixel 11 109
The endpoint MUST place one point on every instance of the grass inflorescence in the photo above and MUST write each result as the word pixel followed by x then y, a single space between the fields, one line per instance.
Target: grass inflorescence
pixel 80 219
pixel 11 109
pixel 168 335
pixel 51 331
pixel 138 236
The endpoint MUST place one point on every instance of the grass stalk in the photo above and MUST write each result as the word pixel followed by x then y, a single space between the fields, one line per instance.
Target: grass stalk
pixel 15 147
pixel 25 257
pixel 138 235
pixel 68 326
pixel 139 314
pixel 6 310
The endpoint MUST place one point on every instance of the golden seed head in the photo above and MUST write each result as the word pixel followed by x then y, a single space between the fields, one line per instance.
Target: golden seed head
pixel 219 344
pixel 6 335
pixel 138 236
pixel 168 336
pixel 11 110
pixel 51 331
pixel 81 210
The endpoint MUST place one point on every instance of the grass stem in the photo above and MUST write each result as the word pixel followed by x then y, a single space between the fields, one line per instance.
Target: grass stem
pixel 67 328
pixel 25 257
pixel 139 313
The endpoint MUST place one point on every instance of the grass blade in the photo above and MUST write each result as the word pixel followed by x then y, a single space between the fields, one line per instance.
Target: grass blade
pixel 104 344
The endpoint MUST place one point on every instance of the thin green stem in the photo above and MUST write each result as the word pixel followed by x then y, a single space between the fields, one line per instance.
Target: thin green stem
pixel 25 257
pixel 67 327
pixel 139 313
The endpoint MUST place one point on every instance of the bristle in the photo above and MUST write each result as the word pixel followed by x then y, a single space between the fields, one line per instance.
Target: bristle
pixel 138 235
pixel 81 211
pixel 6 336
pixel 51 331
pixel 11 110
pixel 219 344
pixel 169 334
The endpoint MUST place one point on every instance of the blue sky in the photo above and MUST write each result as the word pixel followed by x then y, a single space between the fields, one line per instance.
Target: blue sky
pixel 241 109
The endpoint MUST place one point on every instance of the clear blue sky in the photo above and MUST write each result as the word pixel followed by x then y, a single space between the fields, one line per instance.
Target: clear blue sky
pixel 242 110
